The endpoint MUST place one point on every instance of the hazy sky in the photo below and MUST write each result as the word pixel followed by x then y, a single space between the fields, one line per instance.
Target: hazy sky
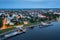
pixel 29 3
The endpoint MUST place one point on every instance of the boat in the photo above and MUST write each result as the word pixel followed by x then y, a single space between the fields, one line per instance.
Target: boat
pixel 8 35
pixel 44 24
pixel 14 33
pixel 11 34
pixel 24 29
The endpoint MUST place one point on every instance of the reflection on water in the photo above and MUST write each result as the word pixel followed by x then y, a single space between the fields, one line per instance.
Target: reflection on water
pixel 45 33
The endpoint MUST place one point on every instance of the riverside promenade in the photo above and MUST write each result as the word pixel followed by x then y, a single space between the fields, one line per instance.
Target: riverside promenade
pixel 2 35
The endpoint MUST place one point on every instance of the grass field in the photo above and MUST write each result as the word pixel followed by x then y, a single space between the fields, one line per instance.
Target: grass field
pixel 6 30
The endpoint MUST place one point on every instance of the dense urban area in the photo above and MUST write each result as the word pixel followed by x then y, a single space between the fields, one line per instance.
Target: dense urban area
pixel 26 17
pixel 10 19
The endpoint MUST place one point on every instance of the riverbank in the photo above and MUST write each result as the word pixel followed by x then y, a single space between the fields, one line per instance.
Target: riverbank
pixel 25 26
pixel 13 28
pixel 32 24
pixel 6 30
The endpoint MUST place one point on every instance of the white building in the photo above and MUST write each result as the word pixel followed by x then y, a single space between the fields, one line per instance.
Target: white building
pixel 11 23
pixel 42 16
pixel 2 13
pixel 56 13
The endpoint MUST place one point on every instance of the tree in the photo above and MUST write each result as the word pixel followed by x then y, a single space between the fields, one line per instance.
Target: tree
pixel 1 23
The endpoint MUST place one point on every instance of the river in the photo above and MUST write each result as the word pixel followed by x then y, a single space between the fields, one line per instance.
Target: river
pixel 37 33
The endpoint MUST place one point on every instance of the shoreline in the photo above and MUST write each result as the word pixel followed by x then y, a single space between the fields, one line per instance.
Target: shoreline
pixel 7 32
pixel 16 28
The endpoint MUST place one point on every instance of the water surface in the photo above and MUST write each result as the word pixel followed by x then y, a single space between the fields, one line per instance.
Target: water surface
pixel 37 33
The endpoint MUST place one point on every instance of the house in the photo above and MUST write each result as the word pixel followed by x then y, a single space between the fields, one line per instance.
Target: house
pixel 11 23
pixel 25 22
pixel 41 16
pixel 56 13
pixel 1 13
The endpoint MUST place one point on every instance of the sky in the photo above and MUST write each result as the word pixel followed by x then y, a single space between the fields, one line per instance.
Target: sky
pixel 29 3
